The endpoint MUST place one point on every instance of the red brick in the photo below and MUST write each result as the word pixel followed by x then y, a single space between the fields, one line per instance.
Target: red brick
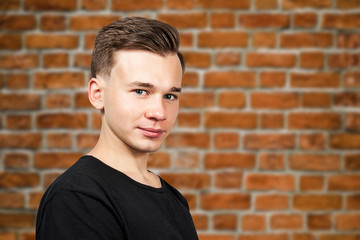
pixel 86 140
pixel 264 20
pixel 269 141
pixel 17 220
pixel 230 120
pixel 60 80
pixel 229 160
pixel 55 160
pixel 184 20
pixel 28 235
pixel 200 221
pixel 197 59
pixel 53 23
pixel 314 162
pixel 222 39
pixel 180 140
pixel 82 100
pixel 353 202
pixel 59 140
pixel 228 59
pixel 216 4
pixel 225 201
pixel 61 120
pixel 347 99
pixel 56 60
pixel 299 40
pixel 216 237
pixel 92 5
pixel 343 60
pixel 257 181
pixel 347 221
pixel 16 160
pixel 225 221
pixel 312 120
pixel 312 141
pixel 266 4
pixel 10 41
pixel 90 22
pixel 271 202
pixel 34 199
pixel 267 236
pixel 188 119
pixel 49 178
pixel 52 5
pixel 311 60
pixel 10 5
pixel 349 4
pixel 352 79
pixel 18 121
pixel 274 100
pixel 339 236
pixel 253 222
pixel 341 20
pixel 316 99
pixel 271 161
pixel 228 180
pixel 257 59
pixel 17 81
pixel 305 20
pixel 12 200
pixel 19 101
pixel 352 121
pixel 264 39
pixel 187 160
pixel 312 202
pixel 186 40
pixel 320 80
pixel 319 221
pixel 352 161
pixel 183 4
pixel 303 236
pixel 19 61
pixel 50 41
pixel 350 182
pixel 294 4
pixel 159 160
pixel 348 40
pixel 89 41
pixel 233 99
pixel 58 100
pixel 187 180
pixel 18 180
pixel 272 79
pixel 190 79
pixel 286 221
pixel 222 20
pixel 272 120
pixel 96 120
pixel 312 183
pixel 7 235
pixel 345 141
pixel 20 140
pixel 17 22
pixel 197 99
pixel 82 60
pixel 224 140
pixel 131 5
pixel 229 79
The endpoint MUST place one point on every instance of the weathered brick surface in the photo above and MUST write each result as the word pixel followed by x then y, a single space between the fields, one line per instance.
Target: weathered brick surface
pixel 267 141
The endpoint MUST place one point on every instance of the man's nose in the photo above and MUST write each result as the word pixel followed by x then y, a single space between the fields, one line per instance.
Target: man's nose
pixel 156 110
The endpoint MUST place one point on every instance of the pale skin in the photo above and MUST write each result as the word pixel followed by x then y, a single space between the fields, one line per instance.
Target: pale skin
pixel 139 103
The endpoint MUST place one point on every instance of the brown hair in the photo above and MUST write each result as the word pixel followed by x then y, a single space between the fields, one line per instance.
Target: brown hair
pixel 133 33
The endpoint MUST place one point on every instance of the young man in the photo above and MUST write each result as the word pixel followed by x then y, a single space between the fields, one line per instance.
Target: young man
pixel 108 194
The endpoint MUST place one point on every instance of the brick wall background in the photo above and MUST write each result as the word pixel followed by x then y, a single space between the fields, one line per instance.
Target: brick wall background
pixel 267 144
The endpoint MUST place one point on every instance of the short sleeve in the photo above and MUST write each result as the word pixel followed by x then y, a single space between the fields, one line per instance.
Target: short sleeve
pixel 71 215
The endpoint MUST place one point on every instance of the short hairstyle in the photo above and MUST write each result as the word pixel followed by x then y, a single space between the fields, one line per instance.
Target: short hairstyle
pixel 133 33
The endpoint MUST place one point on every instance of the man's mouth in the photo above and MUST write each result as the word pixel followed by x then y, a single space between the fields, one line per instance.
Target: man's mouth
pixel 152 132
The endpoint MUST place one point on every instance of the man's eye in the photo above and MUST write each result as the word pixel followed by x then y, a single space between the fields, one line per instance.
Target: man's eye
pixel 170 97
pixel 140 92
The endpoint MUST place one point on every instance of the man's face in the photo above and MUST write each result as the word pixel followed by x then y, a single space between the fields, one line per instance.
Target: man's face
pixel 141 99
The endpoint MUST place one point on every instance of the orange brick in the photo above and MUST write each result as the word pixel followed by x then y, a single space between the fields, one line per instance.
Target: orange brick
pixel 61 120
pixel 264 39
pixel 343 60
pixel 257 59
pixel 347 99
pixel 34 199
pixel 319 80
pixel 197 59
pixel 222 39
pixel 17 22
pixel 16 160
pixel 130 5
pixel 272 120
pixel 352 161
pixel 52 23
pixel 12 200
pixel 222 20
pixel 274 100
pixel 328 120
pixel 19 61
pixel 87 140
pixel 311 60
pixel 229 160
pixel 232 99
pixel 269 141
pixel 186 40
pixel 272 79
pixel 59 140
pixel 55 160
pixel 10 41
pixel 271 202
pixel 182 4
pixel 9 5
pixel 348 40
pixel 341 20
pixel 252 222
pixel 49 41
pixel 20 101
pixel 17 179
pixel 17 220
pixel 93 4
pixel 257 181
pixel 17 81
pixel 316 99
pixel 228 180
pixel 299 40
pixel 20 140
pixel 188 119
pixel 41 5
pixel 180 140
pixel 159 160
pixel 312 141
pixel 197 99
pixel 56 60
pixel 229 79
pixel 49 178
pixel 7 235
pixel 230 120
pixel 90 22
pixel 304 236
pixel 264 20
pixel 82 100
pixel 345 141
pixel 312 202
pixel 216 4
pixel 225 221
pixel 89 41
pixel 293 4
pixel 228 58
pixel 216 237
pixel 349 182
pixel 58 100
pixel 352 121
pixel 266 4
pixel 96 120
pixel 229 201
pixel 319 222
pixel 200 221
pixel 315 162
pixel 352 79
pixel 61 80
pixel 187 180
pixel 349 4
pixel 305 20
pixel 286 221
pixel 224 140
pixel 184 20
pixel 347 221
pixel 311 183
pixel 18 121
pixel 190 79
pixel 339 236
pixel 267 236
pixel 187 160
pixel 353 202
pixel 272 161
pixel 82 60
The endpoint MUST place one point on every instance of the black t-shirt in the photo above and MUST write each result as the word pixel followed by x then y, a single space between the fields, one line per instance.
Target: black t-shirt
pixel 94 201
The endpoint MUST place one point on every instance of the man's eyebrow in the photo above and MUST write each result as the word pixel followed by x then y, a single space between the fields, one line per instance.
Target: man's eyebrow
pixel 175 89
pixel 142 84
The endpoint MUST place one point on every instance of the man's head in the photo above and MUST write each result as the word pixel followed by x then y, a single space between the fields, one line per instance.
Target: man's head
pixel 133 33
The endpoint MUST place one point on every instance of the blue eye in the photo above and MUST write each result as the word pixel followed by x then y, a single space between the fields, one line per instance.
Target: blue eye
pixel 139 91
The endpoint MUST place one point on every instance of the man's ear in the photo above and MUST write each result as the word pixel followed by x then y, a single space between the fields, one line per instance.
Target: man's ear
pixel 95 93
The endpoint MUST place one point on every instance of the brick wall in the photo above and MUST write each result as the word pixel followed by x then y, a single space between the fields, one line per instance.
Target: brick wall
pixel 267 144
